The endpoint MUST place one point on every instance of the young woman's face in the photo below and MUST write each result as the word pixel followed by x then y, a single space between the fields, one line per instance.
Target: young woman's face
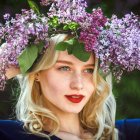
pixel 68 85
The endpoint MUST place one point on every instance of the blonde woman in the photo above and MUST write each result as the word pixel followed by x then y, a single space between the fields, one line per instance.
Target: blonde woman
pixel 65 94
pixel 66 97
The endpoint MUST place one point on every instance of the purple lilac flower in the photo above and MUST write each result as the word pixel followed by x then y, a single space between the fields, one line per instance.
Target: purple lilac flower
pixel 6 16
pixel 119 45
pixel 28 27
pixel 46 2
pixel 90 34
pixel 67 10
pixel 18 34
pixel 75 11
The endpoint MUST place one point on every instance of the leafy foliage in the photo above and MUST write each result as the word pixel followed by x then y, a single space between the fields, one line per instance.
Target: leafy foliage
pixel 73 46
pixel 28 57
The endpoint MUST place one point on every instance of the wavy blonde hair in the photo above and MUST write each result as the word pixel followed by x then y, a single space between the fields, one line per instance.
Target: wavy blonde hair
pixel 97 117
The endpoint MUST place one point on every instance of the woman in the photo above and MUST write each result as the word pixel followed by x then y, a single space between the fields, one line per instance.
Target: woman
pixel 64 94
pixel 66 97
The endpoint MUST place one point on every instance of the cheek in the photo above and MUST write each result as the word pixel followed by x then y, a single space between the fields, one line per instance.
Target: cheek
pixel 54 85
pixel 89 87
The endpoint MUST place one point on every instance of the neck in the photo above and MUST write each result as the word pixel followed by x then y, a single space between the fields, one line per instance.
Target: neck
pixel 70 123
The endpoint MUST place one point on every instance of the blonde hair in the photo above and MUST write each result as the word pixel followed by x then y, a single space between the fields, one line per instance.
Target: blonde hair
pixel 98 115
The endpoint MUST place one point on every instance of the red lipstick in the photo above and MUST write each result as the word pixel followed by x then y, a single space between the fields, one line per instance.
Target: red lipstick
pixel 74 98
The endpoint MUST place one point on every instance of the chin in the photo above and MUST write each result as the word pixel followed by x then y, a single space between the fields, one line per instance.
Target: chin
pixel 75 110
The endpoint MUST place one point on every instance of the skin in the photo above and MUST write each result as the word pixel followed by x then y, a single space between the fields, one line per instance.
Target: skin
pixel 68 76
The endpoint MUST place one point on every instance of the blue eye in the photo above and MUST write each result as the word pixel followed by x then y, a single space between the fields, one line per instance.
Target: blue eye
pixel 90 71
pixel 64 68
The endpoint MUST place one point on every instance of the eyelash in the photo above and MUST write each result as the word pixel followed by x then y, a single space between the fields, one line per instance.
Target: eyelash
pixel 67 68
pixel 90 70
pixel 62 68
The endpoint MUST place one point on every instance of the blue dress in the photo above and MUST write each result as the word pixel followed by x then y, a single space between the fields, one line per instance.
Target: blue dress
pixel 13 130
pixel 129 129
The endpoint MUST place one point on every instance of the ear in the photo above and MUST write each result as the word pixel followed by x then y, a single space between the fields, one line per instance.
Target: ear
pixel 12 71
pixel 37 77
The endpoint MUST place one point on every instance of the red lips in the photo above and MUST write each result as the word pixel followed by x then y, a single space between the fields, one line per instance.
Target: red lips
pixel 74 98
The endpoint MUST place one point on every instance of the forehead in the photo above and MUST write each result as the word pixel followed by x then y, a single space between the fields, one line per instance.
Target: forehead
pixel 63 55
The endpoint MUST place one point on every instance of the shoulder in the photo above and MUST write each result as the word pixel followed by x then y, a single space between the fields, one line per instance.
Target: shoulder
pixel 10 123
pixel 13 130
pixel 10 127
pixel 129 129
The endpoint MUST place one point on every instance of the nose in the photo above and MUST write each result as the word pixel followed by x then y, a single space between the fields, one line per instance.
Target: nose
pixel 77 82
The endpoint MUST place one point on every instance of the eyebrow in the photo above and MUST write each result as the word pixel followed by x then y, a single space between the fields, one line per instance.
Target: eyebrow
pixel 70 63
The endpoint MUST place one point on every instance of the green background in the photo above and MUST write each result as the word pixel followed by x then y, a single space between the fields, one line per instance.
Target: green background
pixel 127 92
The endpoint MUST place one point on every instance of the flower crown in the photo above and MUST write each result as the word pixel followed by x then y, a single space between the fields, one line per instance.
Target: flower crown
pixel 26 37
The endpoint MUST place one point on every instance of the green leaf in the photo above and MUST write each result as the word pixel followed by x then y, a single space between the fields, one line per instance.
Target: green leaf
pixel 71 41
pixel 40 46
pixel 79 51
pixel 66 27
pixel 71 26
pixel 70 45
pixel 33 6
pixel 61 46
pixel 74 47
pixel 69 49
pixel 53 21
pixel 27 58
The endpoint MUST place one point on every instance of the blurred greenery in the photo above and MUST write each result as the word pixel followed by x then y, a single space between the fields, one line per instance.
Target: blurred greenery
pixel 8 99
pixel 127 92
